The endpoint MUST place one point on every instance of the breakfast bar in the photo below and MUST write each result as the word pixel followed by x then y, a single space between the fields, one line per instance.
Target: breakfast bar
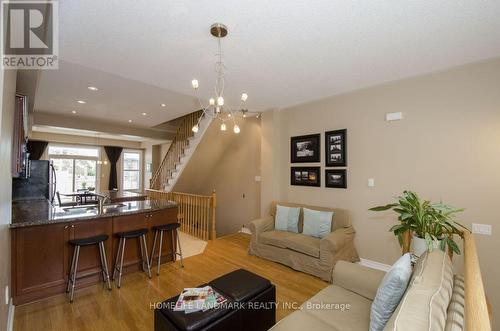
pixel 41 254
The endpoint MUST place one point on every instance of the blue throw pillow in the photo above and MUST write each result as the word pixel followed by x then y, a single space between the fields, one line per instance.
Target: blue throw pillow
pixel 390 292
pixel 317 223
pixel 287 219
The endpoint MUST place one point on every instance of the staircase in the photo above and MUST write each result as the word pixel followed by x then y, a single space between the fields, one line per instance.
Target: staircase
pixel 180 151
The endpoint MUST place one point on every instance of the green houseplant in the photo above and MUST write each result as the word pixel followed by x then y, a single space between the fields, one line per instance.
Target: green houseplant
pixel 428 222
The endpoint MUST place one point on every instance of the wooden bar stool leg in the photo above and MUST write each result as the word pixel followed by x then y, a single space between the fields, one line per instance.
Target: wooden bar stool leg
pixel 159 252
pixel 153 249
pixel 105 265
pixel 146 260
pixel 121 263
pixel 73 278
pixel 180 249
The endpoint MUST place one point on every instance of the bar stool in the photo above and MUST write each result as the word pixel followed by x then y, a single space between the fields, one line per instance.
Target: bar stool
pixel 139 234
pixel 97 240
pixel 172 227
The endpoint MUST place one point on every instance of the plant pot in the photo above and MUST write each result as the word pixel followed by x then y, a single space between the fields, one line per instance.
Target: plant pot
pixel 419 245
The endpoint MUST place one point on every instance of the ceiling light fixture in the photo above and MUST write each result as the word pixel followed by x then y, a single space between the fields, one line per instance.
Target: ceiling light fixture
pixel 163 105
pixel 73 111
pixel 144 114
pixel 81 102
pixel 218 107
pixel 130 121
pixel 93 88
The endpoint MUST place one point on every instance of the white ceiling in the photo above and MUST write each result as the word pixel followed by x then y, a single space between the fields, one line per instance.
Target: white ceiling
pixel 280 52
pixel 95 134
pixel 118 99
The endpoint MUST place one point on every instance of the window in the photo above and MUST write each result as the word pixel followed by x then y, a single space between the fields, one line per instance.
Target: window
pixel 76 167
pixel 131 170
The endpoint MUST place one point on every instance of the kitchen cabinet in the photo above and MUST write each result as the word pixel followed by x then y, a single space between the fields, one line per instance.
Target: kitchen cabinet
pixel 40 258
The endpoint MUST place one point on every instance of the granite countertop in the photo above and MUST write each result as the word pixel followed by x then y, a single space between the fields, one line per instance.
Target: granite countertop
pixel 40 212
pixel 122 194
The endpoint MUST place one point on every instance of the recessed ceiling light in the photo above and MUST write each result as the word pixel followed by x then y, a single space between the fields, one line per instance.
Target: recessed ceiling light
pixel 93 88
pixel 163 105
pixel 130 121
pixel 144 114
pixel 81 102
pixel 73 111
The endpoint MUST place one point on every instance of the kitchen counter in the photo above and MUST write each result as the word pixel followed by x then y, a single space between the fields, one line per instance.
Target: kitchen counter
pixel 40 212
pixel 41 236
pixel 120 196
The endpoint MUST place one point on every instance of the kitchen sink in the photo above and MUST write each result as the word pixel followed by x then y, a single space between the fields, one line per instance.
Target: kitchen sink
pixel 92 207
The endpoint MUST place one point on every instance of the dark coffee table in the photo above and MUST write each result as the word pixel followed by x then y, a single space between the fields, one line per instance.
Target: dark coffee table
pixel 251 306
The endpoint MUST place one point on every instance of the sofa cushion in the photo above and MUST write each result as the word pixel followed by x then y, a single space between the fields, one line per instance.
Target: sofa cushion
pixel 303 244
pixel 287 219
pixel 341 218
pixel 390 292
pixel 455 316
pixel 424 304
pixel 333 308
pixel 317 223
pixel 274 238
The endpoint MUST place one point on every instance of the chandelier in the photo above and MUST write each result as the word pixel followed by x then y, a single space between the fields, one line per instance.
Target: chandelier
pixel 217 107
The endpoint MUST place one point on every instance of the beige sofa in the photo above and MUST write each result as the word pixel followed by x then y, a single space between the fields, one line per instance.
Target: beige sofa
pixel 301 252
pixel 434 300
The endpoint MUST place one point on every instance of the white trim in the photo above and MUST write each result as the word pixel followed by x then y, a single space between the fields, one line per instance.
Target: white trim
pixel 245 230
pixel 374 264
pixel 10 316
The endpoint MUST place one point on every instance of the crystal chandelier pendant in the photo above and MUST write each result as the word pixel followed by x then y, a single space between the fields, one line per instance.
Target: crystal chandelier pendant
pixel 217 107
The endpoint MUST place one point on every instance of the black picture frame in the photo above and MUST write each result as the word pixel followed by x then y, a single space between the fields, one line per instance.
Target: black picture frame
pixel 305 176
pixel 336 148
pixel 305 149
pixel 336 178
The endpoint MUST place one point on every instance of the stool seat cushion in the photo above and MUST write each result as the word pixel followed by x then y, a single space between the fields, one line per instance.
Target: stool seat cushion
pixel 167 227
pixel 132 234
pixel 240 285
pixel 88 241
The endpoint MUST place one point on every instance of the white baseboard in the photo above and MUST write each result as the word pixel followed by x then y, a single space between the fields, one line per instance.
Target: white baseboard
pixel 245 230
pixel 10 316
pixel 374 264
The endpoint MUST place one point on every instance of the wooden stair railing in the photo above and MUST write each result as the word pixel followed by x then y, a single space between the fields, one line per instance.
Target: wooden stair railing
pixel 196 212
pixel 175 151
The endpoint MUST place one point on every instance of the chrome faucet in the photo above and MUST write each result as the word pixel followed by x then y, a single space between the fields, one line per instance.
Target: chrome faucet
pixel 101 201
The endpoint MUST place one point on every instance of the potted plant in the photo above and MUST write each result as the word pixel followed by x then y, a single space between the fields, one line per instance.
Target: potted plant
pixel 431 225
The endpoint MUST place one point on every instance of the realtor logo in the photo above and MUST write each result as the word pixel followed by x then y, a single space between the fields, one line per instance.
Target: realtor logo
pixel 29 34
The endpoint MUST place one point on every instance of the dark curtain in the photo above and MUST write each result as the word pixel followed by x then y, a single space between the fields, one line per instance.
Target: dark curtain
pixel 36 148
pixel 113 154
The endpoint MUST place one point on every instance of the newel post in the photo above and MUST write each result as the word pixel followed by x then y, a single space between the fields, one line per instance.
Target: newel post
pixel 213 233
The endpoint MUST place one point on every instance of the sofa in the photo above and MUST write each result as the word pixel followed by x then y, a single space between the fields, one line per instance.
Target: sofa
pixel 308 254
pixel 434 300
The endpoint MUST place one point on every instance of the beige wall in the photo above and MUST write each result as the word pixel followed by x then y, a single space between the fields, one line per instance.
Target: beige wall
pixel 7 100
pixel 103 169
pixel 227 163
pixel 446 147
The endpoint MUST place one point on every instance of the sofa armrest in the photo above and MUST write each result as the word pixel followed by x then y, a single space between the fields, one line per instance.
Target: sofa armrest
pixel 334 242
pixel 357 278
pixel 261 225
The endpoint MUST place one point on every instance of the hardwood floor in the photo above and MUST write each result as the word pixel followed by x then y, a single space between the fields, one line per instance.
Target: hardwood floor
pixel 130 308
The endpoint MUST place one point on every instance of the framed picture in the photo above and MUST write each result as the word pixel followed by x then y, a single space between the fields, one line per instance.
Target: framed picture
pixel 336 178
pixel 305 176
pixel 305 148
pixel 336 148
